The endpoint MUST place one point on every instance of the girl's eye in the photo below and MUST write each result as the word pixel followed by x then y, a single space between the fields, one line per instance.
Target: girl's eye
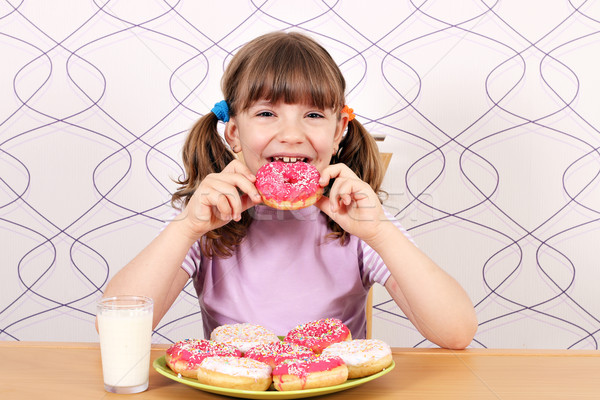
pixel 315 115
pixel 265 114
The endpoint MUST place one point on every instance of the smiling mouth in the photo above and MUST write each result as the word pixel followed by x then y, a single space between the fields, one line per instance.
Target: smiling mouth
pixel 289 159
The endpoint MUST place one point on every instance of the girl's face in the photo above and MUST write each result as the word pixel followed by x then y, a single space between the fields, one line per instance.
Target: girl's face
pixel 267 131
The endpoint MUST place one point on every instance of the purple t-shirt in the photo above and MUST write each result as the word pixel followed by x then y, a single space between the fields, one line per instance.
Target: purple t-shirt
pixel 286 272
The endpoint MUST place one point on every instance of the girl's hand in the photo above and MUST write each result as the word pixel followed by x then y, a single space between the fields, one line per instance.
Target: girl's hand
pixel 352 203
pixel 220 198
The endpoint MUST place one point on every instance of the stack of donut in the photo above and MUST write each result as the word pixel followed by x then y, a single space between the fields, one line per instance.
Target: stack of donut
pixel 245 357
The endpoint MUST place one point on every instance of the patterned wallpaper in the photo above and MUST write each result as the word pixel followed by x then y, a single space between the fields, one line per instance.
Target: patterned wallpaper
pixel 490 109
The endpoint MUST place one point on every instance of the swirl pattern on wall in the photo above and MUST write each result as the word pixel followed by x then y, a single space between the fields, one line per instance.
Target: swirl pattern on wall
pixel 489 109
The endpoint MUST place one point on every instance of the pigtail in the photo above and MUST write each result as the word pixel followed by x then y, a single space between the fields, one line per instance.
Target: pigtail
pixel 359 151
pixel 205 152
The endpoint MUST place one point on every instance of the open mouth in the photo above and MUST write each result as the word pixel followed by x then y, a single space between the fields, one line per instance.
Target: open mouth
pixel 289 159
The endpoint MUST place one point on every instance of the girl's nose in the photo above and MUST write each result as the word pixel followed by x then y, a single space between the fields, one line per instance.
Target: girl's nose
pixel 291 132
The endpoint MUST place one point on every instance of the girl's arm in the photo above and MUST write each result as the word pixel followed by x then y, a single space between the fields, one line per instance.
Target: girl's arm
pixel 156 272
pixel 433 301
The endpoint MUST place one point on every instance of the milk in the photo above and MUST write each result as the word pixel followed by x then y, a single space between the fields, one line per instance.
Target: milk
pixel 125 338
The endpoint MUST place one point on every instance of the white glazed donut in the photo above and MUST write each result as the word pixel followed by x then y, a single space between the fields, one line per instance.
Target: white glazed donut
pixel 363 357
pixel 243 336
pixel 235 373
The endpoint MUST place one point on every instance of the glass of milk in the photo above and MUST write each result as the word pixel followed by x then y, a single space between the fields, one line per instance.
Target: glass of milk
pixel 125 328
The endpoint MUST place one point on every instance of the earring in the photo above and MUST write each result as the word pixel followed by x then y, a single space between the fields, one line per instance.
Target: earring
pixel 236 149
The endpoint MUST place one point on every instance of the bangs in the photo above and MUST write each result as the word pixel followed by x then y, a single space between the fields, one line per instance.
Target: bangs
pixel 293 82
pixel 293 71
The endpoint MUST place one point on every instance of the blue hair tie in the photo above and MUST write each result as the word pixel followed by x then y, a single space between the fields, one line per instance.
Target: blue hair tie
pixel 221 110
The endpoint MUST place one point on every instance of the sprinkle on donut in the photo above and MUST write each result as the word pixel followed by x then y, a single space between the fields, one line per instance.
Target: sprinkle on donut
pixel 304 366
pixel 277 352
pixel 270 364
pixel 288 186
pixel 185 356
pixel 235 373
pixel 362 356
pixel 319 334
pixel 309 373
pixel 243 336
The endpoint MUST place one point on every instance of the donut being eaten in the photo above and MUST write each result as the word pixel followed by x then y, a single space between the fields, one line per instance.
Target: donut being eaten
pixel 288 185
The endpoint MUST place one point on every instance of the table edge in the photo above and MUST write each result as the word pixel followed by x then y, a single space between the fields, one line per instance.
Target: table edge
pixel 395 350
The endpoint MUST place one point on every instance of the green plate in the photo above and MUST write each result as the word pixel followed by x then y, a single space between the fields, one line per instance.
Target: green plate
pixel 161 367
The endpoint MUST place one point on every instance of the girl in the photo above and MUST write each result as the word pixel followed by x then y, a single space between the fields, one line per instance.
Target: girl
pixel 284 100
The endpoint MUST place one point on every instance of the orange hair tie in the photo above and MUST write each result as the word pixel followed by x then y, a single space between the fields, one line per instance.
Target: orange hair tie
pixel 349 111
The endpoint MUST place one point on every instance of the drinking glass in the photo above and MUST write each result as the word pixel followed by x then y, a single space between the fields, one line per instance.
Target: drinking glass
pixel 125 328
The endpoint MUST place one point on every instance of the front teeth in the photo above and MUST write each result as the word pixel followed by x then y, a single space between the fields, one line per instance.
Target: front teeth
pixel 288 159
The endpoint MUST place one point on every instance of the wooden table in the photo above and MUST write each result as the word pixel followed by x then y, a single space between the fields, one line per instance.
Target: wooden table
pixel 64 371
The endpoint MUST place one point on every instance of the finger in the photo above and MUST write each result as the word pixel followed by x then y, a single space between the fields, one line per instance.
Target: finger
pixel 341 193
pixel 245 186
pixel 221 206
pixel 230 182
pixel 213 193
pixel 222 195
pixel 231 204
pixel 238 167
pixel 241 203
pixel 325 205
pixel 335 171
pixel 249 201
pixel 346 199
pixel 235 203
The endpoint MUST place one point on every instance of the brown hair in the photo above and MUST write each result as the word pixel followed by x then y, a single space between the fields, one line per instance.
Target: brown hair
pixel 278 66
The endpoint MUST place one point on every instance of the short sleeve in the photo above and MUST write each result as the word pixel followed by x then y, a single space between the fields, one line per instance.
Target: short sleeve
pixel 373 267
pixel 191 262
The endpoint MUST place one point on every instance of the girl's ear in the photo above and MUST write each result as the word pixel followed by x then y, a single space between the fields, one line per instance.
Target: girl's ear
pixel 340 129
pixel 232 135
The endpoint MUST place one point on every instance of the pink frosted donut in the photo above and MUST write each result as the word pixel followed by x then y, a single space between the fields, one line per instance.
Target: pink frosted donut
pixel 185 356
pixel 288 186
pixel 317 335
pixel 277 352
pixel 309 373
